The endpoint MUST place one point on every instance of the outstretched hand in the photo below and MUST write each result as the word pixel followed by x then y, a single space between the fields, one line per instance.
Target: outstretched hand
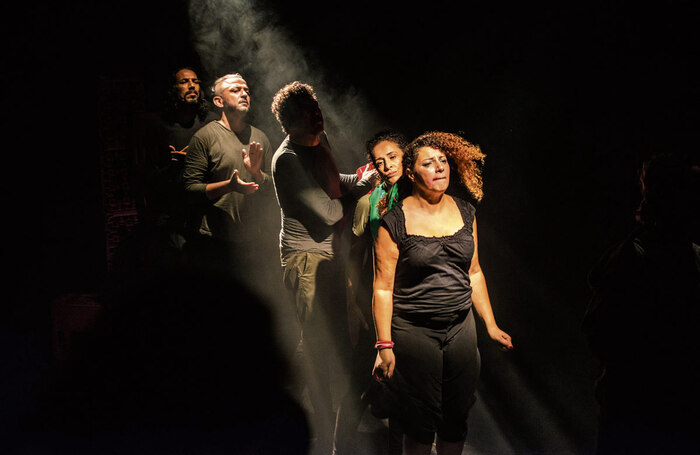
pixel 236 184
pixel 252 159
pixel 177 155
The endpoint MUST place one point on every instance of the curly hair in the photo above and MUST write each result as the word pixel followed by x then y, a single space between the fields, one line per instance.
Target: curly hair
pixel 463 156
pixel 285 103
pixel 385 135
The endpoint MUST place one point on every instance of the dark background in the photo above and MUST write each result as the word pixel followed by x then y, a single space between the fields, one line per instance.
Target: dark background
pixel 565 101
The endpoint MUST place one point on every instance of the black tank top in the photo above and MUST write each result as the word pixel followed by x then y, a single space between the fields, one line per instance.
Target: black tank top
pixel 432 273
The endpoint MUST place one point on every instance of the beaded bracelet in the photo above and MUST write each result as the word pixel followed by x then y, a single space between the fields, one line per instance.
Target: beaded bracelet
pixel 384 345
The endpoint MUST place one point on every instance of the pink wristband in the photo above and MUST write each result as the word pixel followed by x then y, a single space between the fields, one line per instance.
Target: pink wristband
pixel 384 345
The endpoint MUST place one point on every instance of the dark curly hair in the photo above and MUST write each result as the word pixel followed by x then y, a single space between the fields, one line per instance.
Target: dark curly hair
pixel 385 135
pixel 463 157
pixel 285 103
pixel 172 102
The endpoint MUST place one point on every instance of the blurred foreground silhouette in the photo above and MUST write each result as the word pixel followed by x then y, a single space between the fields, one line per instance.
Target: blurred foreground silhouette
pixel 183 362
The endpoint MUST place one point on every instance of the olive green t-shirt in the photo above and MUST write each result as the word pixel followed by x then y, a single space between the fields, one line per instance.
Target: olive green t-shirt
pixel 213 154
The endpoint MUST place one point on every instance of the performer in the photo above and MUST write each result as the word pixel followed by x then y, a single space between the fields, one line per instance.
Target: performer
pixel 427 281
pixel 645 291
pixel 186 110
pixel 313 198
pixel 385 151
pixel 227 162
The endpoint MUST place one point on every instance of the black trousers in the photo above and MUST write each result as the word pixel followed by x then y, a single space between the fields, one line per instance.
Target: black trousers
pixel 437 370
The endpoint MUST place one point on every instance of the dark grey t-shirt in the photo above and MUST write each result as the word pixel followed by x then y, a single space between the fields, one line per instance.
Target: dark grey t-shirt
pixel 213 154
pixel 309 216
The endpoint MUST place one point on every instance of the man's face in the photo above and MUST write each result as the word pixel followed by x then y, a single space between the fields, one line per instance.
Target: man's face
pixel 187 86
pixel 309 118
pixel 233 95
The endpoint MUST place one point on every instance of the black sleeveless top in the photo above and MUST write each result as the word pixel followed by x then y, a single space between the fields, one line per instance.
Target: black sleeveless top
pixel 432 273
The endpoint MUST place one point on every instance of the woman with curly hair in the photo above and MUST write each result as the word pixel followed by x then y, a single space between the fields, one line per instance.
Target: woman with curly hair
pixel 427 281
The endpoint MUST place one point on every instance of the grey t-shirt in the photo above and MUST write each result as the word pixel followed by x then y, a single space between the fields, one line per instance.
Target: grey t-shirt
pixel 309 216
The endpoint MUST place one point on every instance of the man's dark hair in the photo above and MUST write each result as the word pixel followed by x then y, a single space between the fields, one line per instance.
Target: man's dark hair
pixel 285 103
pixel 173 101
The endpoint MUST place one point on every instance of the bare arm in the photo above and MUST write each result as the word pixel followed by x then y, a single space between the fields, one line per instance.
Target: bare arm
pixel 480 298
pixel 386 255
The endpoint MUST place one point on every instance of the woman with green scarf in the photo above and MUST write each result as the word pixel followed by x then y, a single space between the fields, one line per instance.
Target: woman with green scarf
pixel 385 150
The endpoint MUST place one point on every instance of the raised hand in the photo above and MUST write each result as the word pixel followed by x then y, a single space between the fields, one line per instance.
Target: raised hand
pixel 236 184
pixel 177 155
pixel 252 159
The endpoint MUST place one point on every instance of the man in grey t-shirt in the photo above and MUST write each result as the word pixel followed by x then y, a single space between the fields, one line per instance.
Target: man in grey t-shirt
pixel 314 198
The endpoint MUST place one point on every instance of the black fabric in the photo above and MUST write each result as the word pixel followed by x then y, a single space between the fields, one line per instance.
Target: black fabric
pixel 437 359
pixel 641 323
pixel 163 174
pixel 434 383
pixel 432 273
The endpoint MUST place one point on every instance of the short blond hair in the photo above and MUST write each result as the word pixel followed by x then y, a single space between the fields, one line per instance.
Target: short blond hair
pixel 226 77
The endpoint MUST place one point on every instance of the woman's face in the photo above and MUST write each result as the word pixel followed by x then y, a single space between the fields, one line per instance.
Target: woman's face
pixel 388 157
pixel 430 170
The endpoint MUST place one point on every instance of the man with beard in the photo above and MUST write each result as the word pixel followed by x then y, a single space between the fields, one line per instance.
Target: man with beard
pixel 226 178
pixel 185 112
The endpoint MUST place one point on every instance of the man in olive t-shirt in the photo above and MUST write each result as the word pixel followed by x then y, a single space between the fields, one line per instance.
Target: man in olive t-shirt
pixel 226 178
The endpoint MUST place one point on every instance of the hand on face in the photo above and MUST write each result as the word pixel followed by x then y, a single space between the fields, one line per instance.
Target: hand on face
pixel 388 157
pixel 372 176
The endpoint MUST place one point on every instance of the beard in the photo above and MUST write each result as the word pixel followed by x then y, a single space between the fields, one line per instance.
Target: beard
pixel 188 100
